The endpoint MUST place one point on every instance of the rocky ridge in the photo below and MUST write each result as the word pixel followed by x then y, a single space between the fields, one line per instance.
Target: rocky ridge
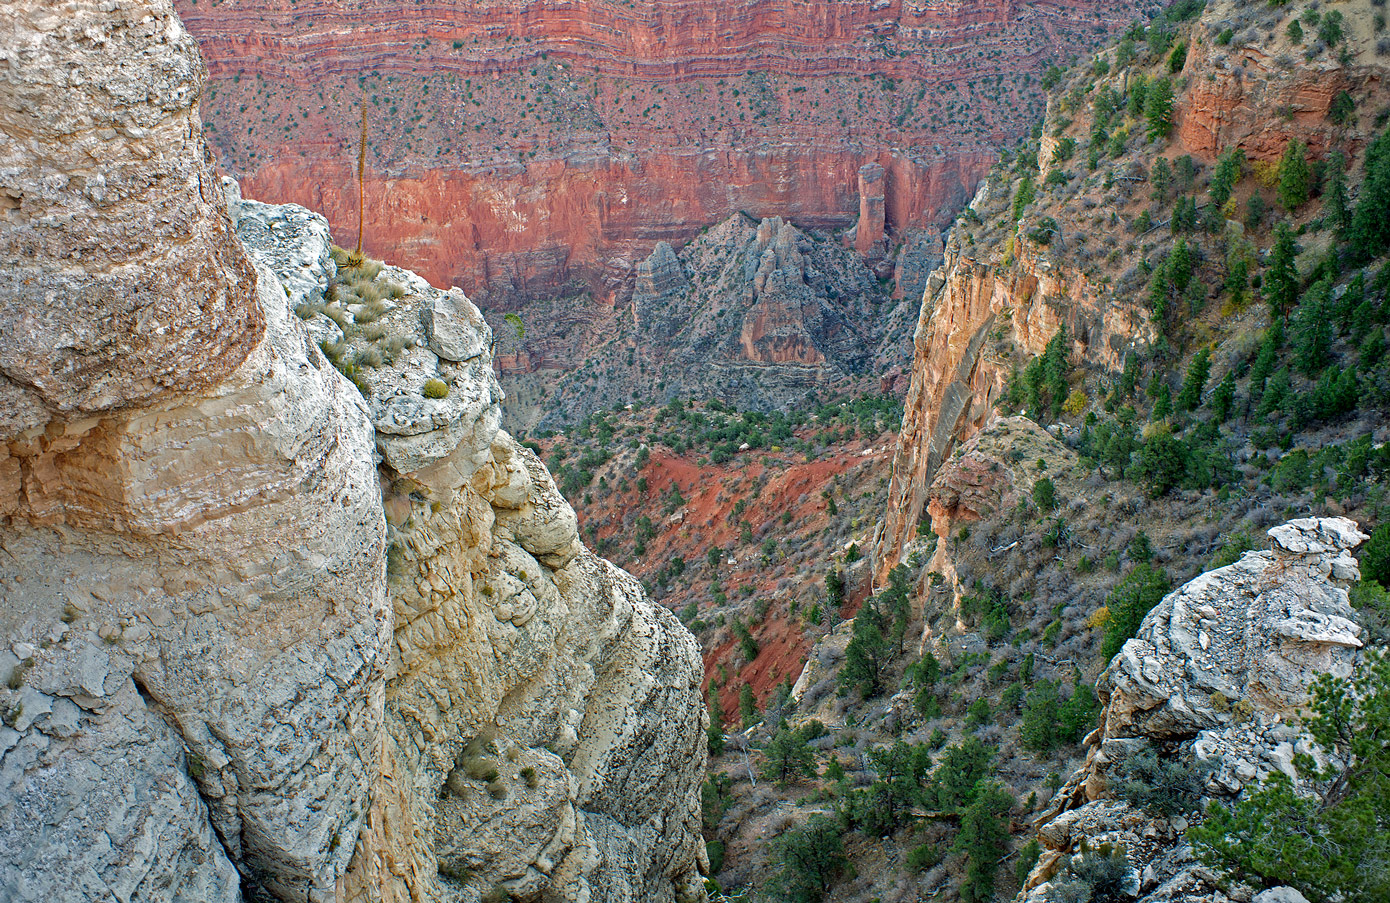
pixel 1219 672
pixel 976 314
pixel 1013 275
pixel 760 315
pixel 268 636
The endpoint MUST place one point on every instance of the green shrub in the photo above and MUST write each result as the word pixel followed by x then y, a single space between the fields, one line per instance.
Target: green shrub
pixel 1096 876
pixel 1163 786
pixel 1128 602
pixel 1375 556
pixel 715 851
pixel 435 388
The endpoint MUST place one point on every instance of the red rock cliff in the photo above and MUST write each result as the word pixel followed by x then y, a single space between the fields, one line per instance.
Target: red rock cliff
pixel 525 143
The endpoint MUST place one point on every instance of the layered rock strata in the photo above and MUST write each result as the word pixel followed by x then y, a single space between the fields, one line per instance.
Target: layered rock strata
pixel 516 145
pixel 1217 674
pixel 268 636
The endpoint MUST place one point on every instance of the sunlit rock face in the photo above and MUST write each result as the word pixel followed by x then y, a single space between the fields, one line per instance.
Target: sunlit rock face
pixel 262 627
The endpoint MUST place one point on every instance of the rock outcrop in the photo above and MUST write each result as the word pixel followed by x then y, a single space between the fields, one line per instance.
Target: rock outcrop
pixel 868 231
pixel 266 634
pixel 979 308
pixel 1217 674
pixel 760 315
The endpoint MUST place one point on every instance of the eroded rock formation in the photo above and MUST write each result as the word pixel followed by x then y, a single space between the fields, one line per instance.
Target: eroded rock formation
pixel 1216 674
pixel 758 314
pixel 265 634
pixel 977 308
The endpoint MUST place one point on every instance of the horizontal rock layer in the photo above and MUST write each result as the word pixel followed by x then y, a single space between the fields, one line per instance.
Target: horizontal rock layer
pixel 521 144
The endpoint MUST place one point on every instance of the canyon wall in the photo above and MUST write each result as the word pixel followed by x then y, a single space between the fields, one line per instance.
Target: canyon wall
pixel 980 307
pixel 518 145
pixel 1008 285
pixel 268 634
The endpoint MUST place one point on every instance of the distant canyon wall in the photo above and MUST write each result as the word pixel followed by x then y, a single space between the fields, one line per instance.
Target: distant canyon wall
pixel 521 145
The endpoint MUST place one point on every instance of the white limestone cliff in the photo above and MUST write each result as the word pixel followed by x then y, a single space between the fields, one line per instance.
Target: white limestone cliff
pixel 264 636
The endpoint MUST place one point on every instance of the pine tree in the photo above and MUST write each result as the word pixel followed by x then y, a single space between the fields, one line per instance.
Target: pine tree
pixel 1196 380
pixel 1180 266
pixel 1225 177
pixel 807 860
pixel 788 757
pixel 715 732
pixel 1281 284
pixel 1161 178
pixel 1314 329
pixel 1223 397
pixel 1037 729
pixel 747 705
pixel 1024 196
pixel 866 653
pixel 1294 176
pixel 1128 602
pixel 1370 226
pixel 1138 95
pixel 1158 108
pixel 1129 379
pixel 1163 403
pixel 984 839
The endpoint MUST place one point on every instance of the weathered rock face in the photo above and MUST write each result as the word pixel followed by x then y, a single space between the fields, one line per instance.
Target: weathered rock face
pixel 975 310
pixel 757 314
pixel 194 602
pixel 95 333
pixel 1257 95
pixel 1216 673
pixel 240 655
pixel 517 144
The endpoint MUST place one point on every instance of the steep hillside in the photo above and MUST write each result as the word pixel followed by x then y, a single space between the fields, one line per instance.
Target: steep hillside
pixel 735 521
pixel 1159 332
pixel 1072 232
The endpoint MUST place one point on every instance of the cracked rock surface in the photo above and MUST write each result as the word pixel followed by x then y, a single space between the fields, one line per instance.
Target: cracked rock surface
pixel 264 635
pixel 1215 676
